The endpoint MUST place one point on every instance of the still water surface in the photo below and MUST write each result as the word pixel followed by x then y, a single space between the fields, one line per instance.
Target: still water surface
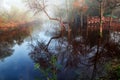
pixel 78 57
pixel 15 62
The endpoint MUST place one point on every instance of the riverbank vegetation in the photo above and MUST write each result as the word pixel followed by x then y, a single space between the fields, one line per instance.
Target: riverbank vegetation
pixel 13 18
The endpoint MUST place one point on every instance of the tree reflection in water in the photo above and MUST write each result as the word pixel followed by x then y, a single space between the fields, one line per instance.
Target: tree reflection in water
pixel 83 58
pixel 9 38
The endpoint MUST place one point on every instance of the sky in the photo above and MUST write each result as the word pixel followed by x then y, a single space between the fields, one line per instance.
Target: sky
pixel 7 4
pixel 19 3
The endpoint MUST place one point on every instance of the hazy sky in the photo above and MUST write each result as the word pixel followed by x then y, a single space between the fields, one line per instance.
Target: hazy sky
pixel 7 4
pixel 18 3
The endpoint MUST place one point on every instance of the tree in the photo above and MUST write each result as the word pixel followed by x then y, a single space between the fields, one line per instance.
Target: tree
pixel 102 8
pixel 81 7
pixel 112 5
pixel 101 15
pixel 40 6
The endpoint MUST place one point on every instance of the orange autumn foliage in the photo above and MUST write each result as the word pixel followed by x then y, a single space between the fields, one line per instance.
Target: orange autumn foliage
pixel 10 24
pixel 80 4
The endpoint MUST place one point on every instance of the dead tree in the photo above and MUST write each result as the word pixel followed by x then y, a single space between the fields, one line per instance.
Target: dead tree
pixel 40 6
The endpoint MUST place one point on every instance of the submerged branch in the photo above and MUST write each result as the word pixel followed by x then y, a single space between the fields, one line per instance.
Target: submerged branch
pixel 55 37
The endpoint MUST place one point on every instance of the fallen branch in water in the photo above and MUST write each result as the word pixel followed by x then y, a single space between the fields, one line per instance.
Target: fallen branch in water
pixel 54 37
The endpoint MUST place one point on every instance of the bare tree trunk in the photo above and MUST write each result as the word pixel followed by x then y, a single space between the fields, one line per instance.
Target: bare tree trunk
pixel 101 15
pixel 111 19
pixel 69 33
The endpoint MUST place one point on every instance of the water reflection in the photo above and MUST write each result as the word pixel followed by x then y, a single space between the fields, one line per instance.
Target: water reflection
pixel 10 38
pixel 83 58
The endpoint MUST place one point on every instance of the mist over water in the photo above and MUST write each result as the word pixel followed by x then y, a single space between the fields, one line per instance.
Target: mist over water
pixel 34 47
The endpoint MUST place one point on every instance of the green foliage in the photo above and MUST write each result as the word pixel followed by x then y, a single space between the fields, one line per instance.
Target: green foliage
pixel 117 70
pixel 53 60
pixel 110 15
pixel 37 66
pixel 50 72
pixel 113 70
